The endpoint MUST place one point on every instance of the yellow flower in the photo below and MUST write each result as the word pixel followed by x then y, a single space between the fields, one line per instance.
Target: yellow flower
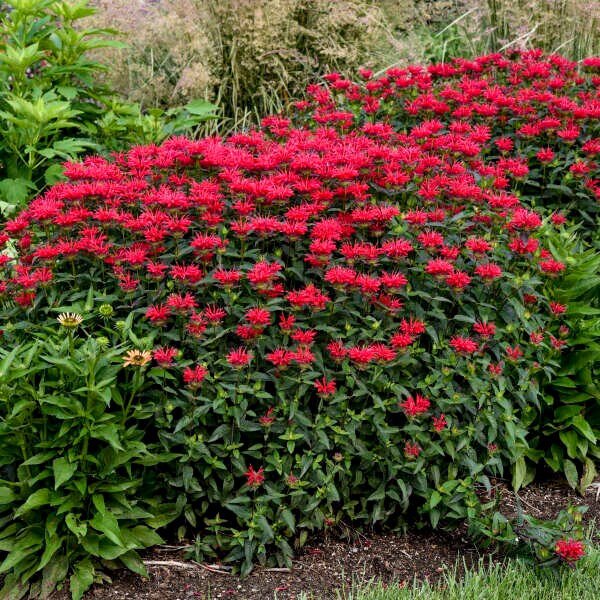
pixel 69 320
pixel 137 358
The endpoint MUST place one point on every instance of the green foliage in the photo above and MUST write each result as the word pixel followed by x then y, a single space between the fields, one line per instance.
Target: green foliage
pixel 72 461
pixel 52 107
pixel 569 424
pixel 349 320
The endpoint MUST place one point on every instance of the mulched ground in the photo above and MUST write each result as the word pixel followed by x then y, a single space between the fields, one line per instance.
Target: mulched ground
pixel 330 565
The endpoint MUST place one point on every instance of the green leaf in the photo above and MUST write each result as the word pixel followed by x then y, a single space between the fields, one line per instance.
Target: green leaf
pixel 288 518
pixel 108 433
pixel 37 499
pixel 98 500
pixel 435 499
pixel 569 439
pixel 82 578
pixel 63 470
pixel 588 476
pixel 571 473
pixel 79 529
pixel 134 563
pixel 108 525
pixel 15 191
pixel 14 588
pixel 584 428
pixel 54 573
pixel 53 544
pixel 53 174
pixel 27 545
pixel 141 536
pixel 7 496
pixel 519 473
pixel 200 107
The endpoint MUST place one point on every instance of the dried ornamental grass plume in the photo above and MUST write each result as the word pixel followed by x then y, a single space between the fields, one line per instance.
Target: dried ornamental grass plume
pixel 248 57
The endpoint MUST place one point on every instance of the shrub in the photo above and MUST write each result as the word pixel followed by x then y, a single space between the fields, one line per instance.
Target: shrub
pixel 538 121
pixel 345 324
pixel 569 426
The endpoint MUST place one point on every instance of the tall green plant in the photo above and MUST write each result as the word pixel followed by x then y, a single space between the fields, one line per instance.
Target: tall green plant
pixel 52 106
pixel 569 425
pixel 72 461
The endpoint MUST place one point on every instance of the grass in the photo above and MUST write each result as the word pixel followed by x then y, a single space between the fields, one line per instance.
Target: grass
pixel 514 579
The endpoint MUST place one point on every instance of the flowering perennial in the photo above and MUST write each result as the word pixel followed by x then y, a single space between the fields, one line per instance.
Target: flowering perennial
pixel 354 306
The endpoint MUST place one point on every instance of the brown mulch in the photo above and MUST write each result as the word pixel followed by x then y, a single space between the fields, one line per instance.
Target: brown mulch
pixel 329 566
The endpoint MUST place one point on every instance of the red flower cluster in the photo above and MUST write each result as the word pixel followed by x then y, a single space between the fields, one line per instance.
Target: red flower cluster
pixel 570 550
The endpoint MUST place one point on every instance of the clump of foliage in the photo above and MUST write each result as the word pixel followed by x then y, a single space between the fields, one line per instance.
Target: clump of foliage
pixel 52 106
pixel 538 121
pixel 350 319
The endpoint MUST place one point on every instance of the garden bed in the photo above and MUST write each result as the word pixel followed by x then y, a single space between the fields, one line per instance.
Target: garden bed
pixel 330 565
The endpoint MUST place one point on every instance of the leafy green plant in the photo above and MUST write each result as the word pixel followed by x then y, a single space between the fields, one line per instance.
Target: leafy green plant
pixel 72 463
pixel 569 425
pixel 52 106
pixel 545 543
pixel 350 319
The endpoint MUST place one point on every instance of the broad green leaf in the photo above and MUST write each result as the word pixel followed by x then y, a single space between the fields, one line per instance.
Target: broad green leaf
pixel 571 473
pixel 584 428
pixel 519 473
pixel 134 563
pixel 569 439
pixel 588 476
pixel 108 525
pixel 82 578
pixel 54 572
pixel 7 496
pixel 108 433
pixel 63 470
pixel 200 107
pixel 435 499
pixel 37 499
pixel 74 525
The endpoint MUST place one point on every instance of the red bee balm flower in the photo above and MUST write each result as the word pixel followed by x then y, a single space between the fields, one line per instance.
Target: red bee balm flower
pixel 514 353
pixel 439 423
pixel 488 272
pixel 463 345
pixel 485 330
pixel 164 355
pixel 268 419
pixel 570 550
pixel 552 267
pixel 325 388
pixel 258 317
pixel 412 450
pixel 414 406
pixel 255 478
pixel 239 357
pixel 194 377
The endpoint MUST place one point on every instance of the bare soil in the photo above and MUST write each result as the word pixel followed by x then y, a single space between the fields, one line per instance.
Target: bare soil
pixel 328 566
